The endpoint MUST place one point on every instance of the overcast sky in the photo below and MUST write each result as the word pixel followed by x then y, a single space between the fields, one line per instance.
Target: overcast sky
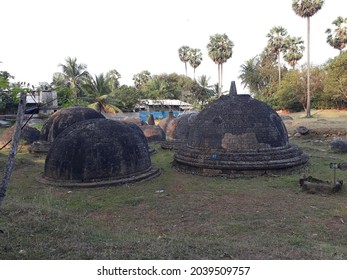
pixel 135 35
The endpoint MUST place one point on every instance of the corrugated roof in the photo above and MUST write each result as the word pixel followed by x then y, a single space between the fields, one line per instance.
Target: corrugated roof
pixel 165 102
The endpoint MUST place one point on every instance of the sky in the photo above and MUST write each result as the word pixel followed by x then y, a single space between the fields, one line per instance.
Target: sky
pixel 135 35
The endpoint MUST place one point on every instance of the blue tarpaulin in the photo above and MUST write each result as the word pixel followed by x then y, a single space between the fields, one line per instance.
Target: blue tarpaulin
pixel 157 115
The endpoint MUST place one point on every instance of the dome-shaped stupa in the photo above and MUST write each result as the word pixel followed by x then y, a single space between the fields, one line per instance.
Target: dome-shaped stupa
pixel 237 136
pixel 58 122
pixel 64 118
pixel 98 152
pixel 153 133
pixel 177 130
pixel 168 124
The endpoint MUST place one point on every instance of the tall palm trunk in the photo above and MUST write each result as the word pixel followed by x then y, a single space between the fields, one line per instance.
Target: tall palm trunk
pixel 185 64
pixel 308 106
pixel 279 66
pixel 219 83
pixel 221 78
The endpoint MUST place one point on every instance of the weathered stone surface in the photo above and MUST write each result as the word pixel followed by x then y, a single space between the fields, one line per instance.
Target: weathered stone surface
pixel 302 130
pixel 343 166
pixel 237 136
pixel 153 133
pixel 39 147
pixel 64 118
pixel 28 135
pixel 99 152
pixel 184 123
pixel 151 120
pixel 177 131
pixel 163 124
pixel 316 186
pixel 286 118
pixel 133 120
pixel 339 146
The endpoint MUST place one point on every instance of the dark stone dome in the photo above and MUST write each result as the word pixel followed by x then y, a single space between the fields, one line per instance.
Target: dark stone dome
pixel 64 118
pixel 168 125
pixel 28 135
pixel 238 135
pixel 99 152
pixel 153 133
pixel 183 125
pixel 177 130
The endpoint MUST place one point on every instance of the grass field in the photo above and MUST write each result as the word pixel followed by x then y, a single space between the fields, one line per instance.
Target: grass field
pixel 182 216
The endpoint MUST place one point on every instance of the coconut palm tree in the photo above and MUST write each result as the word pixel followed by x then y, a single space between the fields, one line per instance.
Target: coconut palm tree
pixel 306 9
pixel 294 50
pixel 112 78
pixel 195 58
pixel 73 76
pixel 183 53
pixel 277 43
pixel 99 89
pixel 220 49
pixel 250 75
pixel 338 38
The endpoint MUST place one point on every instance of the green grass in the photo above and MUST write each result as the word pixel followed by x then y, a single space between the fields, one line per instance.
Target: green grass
pixel 176 215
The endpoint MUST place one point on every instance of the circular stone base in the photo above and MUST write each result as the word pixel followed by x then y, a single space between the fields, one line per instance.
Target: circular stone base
pixel 276 161
pixel 172 144
pixel 150 173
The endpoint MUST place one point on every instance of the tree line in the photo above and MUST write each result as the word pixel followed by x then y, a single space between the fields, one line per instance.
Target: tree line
pixel 267 78
pixel 306 86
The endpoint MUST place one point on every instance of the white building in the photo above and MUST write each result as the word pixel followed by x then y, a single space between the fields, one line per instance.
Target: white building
pixel 164 104
pixel 45 101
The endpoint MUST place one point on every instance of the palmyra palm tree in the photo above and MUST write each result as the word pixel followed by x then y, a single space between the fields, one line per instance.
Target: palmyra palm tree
pixel 338 38
pixel 277 43
pixel 73 76
pixel 195 58
pixel 294 50
pixel 183 53
pixel 306 9
pixel 220 49
pixel 141 78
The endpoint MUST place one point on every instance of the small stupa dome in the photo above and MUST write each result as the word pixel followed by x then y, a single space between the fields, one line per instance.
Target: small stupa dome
pixel 177 130
pixel 99 152
pixel 64 118
pixel 153 133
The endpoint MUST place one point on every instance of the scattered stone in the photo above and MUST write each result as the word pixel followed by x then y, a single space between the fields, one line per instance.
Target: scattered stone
pixel 342 166
pixel 313 186
pixel 302 130
pixel 339 146
pixel 286 118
